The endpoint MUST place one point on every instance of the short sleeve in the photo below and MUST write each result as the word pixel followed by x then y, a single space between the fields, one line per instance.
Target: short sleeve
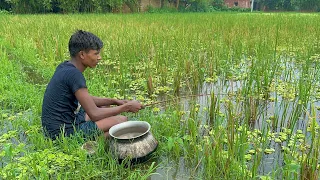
pixel 76 81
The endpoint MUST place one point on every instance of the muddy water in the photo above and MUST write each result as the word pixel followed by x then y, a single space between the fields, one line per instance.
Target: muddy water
pixel 177 169
pixel 33 76
pixel 129 133
pixel 8 125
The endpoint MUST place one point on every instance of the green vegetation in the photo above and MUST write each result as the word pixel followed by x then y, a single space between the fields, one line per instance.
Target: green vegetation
pixel 290 5
pixel 257 117
pixel 133 6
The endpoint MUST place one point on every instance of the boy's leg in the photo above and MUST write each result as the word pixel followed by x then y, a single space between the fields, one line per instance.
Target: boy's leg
pixel 87 118
pixel 106 123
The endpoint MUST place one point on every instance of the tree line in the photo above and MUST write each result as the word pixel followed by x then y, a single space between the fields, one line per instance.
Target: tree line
pixel 103 6
pixel 290 5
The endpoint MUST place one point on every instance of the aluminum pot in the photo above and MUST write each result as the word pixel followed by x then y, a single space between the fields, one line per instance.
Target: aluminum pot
pixel 133 140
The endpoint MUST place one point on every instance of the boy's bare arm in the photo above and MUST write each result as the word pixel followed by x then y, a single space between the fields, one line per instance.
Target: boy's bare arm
pixel 95 113
pixel 106 101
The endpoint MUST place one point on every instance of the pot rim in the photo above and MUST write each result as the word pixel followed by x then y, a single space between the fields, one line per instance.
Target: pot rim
pixel 128 124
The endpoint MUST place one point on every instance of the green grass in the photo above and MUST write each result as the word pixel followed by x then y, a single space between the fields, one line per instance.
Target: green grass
pixel 261 70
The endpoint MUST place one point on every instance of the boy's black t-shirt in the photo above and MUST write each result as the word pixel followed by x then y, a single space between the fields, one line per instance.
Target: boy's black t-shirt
pixel 60 105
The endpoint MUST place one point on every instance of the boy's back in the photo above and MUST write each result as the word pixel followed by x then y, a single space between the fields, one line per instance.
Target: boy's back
pixel 59 102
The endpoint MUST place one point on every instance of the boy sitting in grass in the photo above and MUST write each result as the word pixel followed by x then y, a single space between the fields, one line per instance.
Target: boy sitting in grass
pixel 67 105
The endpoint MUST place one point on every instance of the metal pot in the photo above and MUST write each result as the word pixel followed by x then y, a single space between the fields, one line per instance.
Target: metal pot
pixel 133 140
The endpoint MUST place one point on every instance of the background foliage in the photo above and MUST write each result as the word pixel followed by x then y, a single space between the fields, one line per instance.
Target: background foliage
pixel 102 6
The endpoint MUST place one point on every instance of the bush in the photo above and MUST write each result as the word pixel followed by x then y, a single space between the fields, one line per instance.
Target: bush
pixel 161 10
pixel 218 8
pixel 2 11
pixel 239 9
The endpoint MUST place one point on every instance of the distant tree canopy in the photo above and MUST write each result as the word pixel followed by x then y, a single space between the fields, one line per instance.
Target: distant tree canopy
pixel 98 6
pixel 62 6
pixel 290 5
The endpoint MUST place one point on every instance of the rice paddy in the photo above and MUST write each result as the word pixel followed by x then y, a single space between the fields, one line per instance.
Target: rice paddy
pixel 229 95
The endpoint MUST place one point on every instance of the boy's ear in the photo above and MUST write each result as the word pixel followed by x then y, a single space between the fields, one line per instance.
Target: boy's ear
pixel 81 54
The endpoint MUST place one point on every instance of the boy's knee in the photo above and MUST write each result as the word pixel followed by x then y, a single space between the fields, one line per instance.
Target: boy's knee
pixel 123 118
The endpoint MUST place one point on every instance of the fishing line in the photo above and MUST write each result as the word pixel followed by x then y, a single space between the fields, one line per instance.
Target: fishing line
pixel 183 97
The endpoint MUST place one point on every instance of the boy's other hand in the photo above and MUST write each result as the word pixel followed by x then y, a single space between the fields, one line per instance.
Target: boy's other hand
pixel 134 106
pixel 121 102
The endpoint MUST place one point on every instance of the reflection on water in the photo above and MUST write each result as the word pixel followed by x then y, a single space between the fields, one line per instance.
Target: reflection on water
pixel 288 113
pixel 171 169
pixel 12 123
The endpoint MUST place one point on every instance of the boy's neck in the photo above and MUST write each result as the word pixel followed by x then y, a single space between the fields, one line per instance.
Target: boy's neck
pixel 77 63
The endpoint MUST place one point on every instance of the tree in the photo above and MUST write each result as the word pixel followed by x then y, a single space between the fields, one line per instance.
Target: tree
pixel 70 6
pixel 30 6
pixel 312 5
pixel 4 5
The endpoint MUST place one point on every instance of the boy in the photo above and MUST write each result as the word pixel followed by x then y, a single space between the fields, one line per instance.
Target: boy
pixel 68 107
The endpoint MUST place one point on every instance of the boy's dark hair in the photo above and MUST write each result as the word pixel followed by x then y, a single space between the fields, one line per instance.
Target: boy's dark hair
pixel 83 41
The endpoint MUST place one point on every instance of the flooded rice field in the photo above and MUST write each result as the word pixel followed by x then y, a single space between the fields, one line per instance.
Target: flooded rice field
pixel 227 95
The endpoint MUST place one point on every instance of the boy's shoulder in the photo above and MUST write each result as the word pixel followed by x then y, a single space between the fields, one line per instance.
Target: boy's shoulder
pixel 65 64
pixel 67 74
pixel 66 70
pixel 67 67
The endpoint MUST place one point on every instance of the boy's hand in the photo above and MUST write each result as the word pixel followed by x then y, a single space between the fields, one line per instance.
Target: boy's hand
pixel 120 102
pixel 134 106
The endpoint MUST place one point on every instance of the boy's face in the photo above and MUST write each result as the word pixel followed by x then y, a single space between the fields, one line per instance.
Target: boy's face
pixel 90 58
